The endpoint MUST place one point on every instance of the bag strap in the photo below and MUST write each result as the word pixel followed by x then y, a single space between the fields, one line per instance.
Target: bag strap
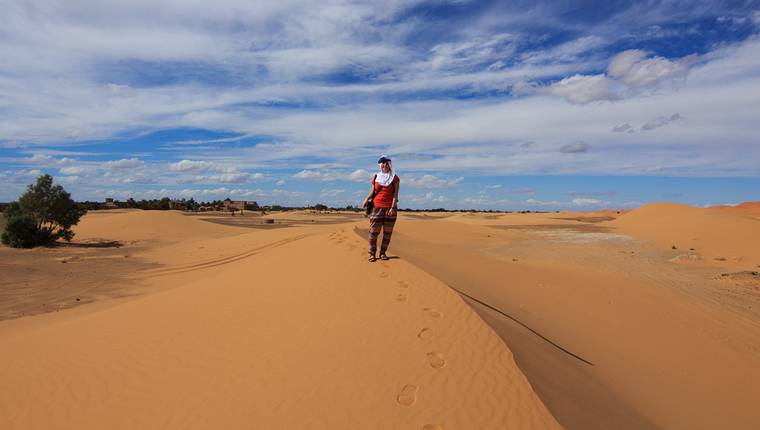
pixel 374 190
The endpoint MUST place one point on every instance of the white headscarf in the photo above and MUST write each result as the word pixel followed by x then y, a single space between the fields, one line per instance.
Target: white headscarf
pixel 383 178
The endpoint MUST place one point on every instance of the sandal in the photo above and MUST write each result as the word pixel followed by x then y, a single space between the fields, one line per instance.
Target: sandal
pixel 372 259
pixel 383 257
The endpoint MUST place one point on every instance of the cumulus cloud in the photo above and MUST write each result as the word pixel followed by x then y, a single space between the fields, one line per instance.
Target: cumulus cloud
pixel 140 179
pixel 225 178
pixel 426 199
pixel 630 73
pixel 72 170
pixel 332 192
pixel 195 166
pixel 634 69
pixel 124 163
pixel 580 89
pixel 47 160
pixel 574 148
pixel 660 121
pixel 359 175
pixel 586 202
pixel 430 181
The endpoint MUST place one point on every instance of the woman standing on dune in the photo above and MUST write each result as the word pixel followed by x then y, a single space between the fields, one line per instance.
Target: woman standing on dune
pixel 383 199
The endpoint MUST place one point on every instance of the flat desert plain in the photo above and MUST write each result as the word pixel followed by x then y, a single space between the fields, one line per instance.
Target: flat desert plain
pixel 628 320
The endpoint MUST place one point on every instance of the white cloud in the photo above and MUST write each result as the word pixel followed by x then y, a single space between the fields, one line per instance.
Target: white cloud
pixel 634 69
pixel 630 73
pixel 140 179
pixel 124 163
pixel 430 181
pixel 359 175
pixel 425 200
pixel 587 202
pixel 48 160
pixel 581 89
pixel 332 192
pixel 193 166
pixel 315 175
pixel 229 178
pixel 72 170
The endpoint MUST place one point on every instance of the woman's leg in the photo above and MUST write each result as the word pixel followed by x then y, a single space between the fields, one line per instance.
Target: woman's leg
pixel 375 224
pixel 388 223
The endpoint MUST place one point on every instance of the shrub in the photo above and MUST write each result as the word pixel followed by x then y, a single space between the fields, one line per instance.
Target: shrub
pixel 20 232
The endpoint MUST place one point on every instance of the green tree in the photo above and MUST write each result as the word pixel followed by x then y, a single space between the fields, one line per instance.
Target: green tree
pixel 46 207
pixel 192 205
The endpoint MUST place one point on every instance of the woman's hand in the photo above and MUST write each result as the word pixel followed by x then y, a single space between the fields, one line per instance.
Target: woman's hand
pixel 392 211
pixel 364 204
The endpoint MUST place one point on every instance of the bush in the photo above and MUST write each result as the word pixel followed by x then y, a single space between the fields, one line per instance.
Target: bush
pixel 21 232
pixel 43 214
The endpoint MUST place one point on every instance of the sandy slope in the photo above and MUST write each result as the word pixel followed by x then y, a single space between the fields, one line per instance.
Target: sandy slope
pixel 748 209
pixel 280 329
pixel 722 236
pixel 665 344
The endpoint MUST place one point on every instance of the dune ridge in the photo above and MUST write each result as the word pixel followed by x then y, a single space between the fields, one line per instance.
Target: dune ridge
pixel 300 332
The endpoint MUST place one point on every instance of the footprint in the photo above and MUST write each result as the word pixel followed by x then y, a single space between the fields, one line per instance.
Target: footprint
pixel 408 395
pixel 435 313
pixel 401 297
pixel 403 284
pixel 425 333
pixel 384 274
pixel 432 427
pixel 436 360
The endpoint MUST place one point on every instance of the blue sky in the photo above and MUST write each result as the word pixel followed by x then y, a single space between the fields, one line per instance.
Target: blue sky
pixel 489 105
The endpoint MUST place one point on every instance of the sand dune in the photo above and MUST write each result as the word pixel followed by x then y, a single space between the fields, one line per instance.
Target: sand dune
pixel 670 346
pixel 138 225
pixel 749 209
pixel 227 326
pixel 719 236
pixel 286 328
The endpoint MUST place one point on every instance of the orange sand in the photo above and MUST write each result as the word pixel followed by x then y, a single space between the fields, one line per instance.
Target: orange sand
pixel 288 328
pixel 642 319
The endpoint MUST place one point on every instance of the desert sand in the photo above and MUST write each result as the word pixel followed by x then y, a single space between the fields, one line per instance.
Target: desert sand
pixel 648 318
pixel 218 326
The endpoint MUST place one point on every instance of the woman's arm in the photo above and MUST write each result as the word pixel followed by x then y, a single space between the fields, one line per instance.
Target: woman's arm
pixel 394 204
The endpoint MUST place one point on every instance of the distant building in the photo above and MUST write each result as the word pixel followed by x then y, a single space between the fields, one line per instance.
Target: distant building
pixel 179 205
pixel 110 203
pixel 239 205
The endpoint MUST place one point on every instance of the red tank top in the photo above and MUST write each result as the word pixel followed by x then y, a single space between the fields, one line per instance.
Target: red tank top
pixel 384 195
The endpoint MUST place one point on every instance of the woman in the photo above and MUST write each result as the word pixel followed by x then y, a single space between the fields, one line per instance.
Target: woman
pixel 384 196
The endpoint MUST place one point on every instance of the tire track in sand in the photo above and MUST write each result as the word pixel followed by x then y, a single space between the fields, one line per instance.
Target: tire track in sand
pixel 220 261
